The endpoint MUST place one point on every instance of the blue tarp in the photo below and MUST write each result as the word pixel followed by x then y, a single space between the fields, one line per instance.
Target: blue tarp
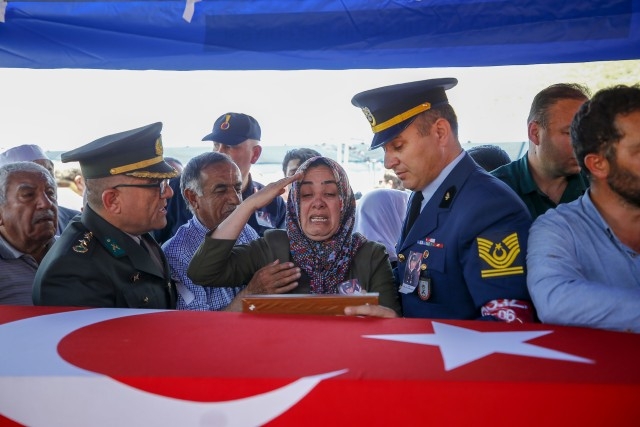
pixel 315 34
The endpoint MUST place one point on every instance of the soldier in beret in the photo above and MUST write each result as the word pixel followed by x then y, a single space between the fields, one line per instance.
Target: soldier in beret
pixel 106 257
pixel 468 229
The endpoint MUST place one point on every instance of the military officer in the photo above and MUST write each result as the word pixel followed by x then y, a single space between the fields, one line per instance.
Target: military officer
pixel 106 257
pixel 470 230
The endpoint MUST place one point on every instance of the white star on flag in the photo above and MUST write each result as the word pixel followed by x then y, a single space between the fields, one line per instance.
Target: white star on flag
pixel 460 346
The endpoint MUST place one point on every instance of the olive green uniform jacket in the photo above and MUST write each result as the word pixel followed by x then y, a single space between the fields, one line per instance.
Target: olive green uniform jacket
pixel 95 264
pixel 221 263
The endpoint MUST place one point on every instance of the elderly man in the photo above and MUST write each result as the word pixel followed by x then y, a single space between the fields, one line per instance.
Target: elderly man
pixel 211 184
pixel 584 256
pixel 548 174
pixel 28 220
pixel 467 229
pixel 33 153
pixel 107 258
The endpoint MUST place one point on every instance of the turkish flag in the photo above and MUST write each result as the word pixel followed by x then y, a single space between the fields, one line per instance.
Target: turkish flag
pixel 386 371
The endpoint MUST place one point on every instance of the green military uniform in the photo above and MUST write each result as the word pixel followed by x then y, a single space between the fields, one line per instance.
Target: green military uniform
pixel 518 176
pixel 95 264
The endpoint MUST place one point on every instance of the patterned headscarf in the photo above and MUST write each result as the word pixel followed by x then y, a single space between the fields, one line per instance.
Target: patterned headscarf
pixel 327 262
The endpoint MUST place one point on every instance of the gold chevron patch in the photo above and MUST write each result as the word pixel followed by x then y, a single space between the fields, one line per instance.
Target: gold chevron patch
pixel 500 256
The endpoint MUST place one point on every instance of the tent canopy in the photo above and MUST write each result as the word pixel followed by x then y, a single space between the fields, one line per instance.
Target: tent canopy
pixel 314 34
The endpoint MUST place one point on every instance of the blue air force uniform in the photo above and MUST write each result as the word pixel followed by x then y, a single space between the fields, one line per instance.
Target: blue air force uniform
pixel 472 235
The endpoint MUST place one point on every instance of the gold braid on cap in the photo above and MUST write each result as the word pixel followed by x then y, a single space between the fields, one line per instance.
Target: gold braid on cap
pixel 400 117
pixel 156 175
pixel 143 164
pixel 136 165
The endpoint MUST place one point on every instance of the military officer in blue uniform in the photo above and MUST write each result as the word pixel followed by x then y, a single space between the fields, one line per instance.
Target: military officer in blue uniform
pixel 470 230
pixel 106 257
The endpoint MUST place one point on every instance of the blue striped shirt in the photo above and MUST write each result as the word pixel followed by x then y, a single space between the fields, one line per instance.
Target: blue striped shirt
pixel 179 250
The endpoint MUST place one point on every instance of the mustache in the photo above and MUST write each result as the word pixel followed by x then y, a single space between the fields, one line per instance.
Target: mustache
pixel 48 215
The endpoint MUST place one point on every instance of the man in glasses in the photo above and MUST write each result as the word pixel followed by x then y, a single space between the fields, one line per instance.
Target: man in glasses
pixel 106 257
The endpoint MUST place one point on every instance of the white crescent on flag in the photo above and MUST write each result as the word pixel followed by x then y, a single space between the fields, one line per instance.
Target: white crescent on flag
pixel 59 393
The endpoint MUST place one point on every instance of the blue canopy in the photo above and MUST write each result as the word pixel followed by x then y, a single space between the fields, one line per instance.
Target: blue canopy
pixel 314 34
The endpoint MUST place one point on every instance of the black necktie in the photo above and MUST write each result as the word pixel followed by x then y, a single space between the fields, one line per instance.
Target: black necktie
pixel 414 211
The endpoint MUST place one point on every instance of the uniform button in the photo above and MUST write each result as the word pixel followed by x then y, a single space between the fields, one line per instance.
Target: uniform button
pixel 401 257
pixel 423 267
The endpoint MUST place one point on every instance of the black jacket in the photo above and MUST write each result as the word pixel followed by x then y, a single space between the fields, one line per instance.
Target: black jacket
pixel 95 264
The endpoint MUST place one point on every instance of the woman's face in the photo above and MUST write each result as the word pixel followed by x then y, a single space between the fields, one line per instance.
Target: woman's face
pixel 320 204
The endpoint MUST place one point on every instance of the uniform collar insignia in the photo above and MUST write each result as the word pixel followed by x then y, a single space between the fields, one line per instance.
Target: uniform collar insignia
pixel 448 197
pixel 113 247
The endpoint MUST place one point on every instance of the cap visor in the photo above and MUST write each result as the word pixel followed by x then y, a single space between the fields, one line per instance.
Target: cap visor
pixel 381 138
pixel 226 139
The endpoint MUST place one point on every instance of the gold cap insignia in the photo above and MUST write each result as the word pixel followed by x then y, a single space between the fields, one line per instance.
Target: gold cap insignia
pixel 225 125
pixel 369 116
pixel 159 150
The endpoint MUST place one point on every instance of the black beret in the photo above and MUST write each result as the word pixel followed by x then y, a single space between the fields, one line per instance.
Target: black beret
pixel 390 109
pixel 137 152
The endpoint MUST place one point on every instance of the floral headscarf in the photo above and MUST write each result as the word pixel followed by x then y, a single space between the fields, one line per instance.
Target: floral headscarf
pixel 327 262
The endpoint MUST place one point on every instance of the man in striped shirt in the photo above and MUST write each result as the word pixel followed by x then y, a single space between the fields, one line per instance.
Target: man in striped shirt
pixel 211 184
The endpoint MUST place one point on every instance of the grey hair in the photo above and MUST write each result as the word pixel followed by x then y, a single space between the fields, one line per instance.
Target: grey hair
pixel 94 188
pixel 190 178
pixel 9 169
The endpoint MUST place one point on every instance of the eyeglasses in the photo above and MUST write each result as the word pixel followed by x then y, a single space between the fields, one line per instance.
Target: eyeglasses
pixel 161 185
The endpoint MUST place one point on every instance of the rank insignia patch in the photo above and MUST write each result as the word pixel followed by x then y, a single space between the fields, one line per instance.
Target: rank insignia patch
pixel 500 258
pixel 112 246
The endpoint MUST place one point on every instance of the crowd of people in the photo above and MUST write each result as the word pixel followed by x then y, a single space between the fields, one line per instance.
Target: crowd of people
pixel 451 234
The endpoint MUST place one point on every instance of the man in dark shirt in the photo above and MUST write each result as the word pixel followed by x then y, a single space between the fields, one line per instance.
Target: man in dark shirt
pixel 238 136
pixel 548 174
